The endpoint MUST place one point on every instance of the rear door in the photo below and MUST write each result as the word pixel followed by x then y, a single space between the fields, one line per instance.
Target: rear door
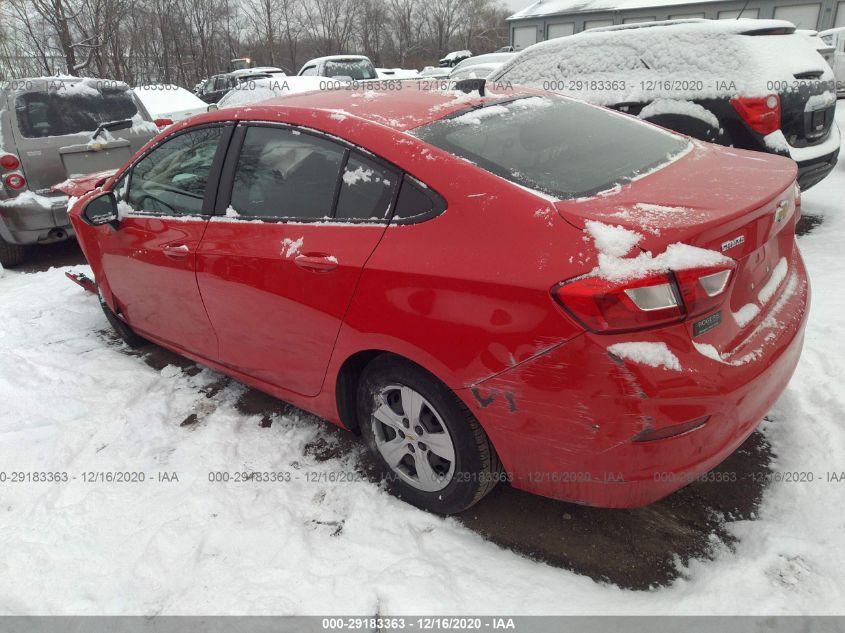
pixel 299 215
pixel 150 259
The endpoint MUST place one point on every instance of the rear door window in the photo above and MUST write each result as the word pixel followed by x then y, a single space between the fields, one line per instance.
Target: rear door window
pixel 71 109
pixel 561 147
pixel 284 173
pixel 366 190
pixel 172 178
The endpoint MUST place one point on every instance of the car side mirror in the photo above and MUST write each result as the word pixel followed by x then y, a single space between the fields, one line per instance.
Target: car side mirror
pixel 101 210
pixel 212 108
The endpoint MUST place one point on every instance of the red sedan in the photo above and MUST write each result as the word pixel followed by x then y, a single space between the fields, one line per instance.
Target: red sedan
pixel 515 286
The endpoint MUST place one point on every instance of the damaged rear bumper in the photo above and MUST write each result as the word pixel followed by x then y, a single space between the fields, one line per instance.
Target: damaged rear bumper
pixel 570 423
pixel 35 219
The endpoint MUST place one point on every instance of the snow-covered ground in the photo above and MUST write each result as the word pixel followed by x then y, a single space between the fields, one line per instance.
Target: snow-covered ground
pixel 74 400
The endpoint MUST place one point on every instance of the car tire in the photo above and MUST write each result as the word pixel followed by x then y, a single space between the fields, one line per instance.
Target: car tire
pixel 11 254
pixel 436 456
pixel 123 330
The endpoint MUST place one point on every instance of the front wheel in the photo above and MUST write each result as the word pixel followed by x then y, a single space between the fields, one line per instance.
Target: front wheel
pixel 431 449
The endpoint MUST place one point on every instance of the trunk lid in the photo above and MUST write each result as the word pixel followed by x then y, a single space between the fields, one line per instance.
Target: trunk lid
pixel 734 202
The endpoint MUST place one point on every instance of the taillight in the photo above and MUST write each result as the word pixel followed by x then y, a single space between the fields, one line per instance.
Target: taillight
pixel 15 181
pixel 702 288
pixel 602 305
pixel 9 161
pixel 762 114
pixel 163 123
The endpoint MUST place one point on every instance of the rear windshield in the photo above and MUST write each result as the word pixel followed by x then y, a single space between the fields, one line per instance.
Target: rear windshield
pixel 355 68
pixel 561 147
pixel 71 110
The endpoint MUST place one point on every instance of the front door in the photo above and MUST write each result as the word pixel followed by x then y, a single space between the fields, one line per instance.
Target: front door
pixel 150 259
pixel 278 271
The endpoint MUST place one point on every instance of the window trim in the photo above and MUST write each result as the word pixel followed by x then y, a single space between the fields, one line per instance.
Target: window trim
pixel 227 177
pixel 213 174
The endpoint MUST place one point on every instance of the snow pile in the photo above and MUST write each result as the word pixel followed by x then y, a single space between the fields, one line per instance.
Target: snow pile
pixel 475 117
pixel 614 242
pixel 291 247
pixel 646 353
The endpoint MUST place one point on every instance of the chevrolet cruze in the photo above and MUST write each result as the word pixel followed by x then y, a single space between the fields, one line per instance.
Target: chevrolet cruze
pixel 500 285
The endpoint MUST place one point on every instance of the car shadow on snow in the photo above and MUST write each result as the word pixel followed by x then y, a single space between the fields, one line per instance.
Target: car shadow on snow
pixel 637 549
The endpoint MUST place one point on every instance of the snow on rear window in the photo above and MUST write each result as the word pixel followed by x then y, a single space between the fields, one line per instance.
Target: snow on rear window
pixel 559 147
pixel 357 69
pixel 71 108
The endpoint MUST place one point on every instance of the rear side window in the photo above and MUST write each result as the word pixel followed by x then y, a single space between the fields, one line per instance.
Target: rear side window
pixel 172 178
pixel 71 109
pixel 557 146
pixel 366 190
pixel 284 173
pixel 416 201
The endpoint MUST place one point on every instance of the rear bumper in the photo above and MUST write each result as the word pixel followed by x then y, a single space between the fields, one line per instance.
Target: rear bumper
pixel 565 423
pixel 811 172
pixel 33 219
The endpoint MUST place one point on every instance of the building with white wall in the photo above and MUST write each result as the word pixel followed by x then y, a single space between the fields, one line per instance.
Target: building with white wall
pixel 547 19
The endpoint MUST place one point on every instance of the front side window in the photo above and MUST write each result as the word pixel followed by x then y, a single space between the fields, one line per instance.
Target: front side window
pixel 71 109
pixel 283 173
pixel 561 147
pixel 366 191
pixel 172 178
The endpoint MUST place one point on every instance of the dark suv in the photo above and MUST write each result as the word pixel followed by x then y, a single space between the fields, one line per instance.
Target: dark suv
pixel 752 84
pixel 52 129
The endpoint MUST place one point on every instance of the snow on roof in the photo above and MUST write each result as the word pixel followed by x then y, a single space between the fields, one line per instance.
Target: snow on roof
pixel 635 63
pixel 544 8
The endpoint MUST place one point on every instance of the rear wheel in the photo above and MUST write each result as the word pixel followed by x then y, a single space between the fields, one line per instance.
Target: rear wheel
pixel 123 330
pixel 431 449
pixel 11 254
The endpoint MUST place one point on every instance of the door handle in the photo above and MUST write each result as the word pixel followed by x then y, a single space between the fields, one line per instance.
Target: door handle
pixel 316 262
pixel 176 252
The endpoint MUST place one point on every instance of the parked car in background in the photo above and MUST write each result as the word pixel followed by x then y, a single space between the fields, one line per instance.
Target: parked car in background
pixel 454 58
pixel 167 103
pixel 504 49
pixel 479 66
pixel 836 39
pixel 51 129
pixel 605 352
pixel 354 67
pixel 434 72
pixel 213 89
pixel 752 84
pixel 267 88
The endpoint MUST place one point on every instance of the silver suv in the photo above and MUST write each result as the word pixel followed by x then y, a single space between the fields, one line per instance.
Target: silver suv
pixel 52 129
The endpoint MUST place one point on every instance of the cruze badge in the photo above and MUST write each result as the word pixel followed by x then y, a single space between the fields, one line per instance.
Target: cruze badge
pixel 734 242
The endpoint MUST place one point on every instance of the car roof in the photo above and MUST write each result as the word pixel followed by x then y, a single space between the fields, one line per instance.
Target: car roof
pixel 401 110
pixel 328 58
pixel 838 29
pixel 259 70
